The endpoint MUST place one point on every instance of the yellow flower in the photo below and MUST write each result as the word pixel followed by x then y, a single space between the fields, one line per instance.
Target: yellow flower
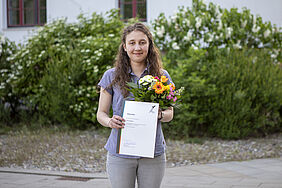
pixel 167 87
pixel 159 87
pixel 164 79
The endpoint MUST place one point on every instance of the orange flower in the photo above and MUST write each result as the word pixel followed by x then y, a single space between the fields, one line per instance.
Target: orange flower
pixel 164 79
pixel 159 87
pixel 172 86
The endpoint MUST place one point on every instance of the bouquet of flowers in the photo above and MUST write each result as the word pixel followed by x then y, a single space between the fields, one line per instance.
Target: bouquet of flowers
pixel 154 89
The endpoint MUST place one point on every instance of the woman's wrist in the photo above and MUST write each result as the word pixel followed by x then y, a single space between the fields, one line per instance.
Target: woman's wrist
pixel 161 115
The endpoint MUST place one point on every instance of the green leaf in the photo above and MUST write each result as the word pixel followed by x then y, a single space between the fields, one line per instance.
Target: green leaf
pixel 132 85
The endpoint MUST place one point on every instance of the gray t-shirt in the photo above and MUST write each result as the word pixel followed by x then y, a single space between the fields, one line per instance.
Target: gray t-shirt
pixel 117 107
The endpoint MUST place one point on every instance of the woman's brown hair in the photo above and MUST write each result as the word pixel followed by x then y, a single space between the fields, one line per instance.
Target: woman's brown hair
pixel 122 64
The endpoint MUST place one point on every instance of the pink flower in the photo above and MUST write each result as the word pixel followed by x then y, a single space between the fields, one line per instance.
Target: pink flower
pixel 175 98
pixel 157 78
pixel 169 97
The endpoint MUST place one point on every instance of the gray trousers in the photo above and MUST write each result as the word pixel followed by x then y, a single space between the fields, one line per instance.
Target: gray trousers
pixel 123 172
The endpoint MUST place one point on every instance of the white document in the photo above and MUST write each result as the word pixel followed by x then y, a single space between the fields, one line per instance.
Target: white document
pixel 138 136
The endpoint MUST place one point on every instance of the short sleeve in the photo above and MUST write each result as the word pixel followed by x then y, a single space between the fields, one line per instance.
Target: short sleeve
pixel 107 80
pixel 168 76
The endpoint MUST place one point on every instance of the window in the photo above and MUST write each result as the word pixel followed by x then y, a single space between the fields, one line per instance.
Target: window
pixel 26 12
pixel 132 9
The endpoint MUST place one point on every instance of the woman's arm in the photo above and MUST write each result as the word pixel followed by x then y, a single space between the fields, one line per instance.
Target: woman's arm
pixel 103 118
pixel 166 115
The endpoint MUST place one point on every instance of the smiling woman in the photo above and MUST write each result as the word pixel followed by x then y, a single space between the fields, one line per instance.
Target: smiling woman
pixel 137 58
pixel 136 46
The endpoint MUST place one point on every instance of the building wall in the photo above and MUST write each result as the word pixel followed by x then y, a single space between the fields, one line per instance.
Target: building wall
pixel 55 9
pixel 72 8
pixel 269 10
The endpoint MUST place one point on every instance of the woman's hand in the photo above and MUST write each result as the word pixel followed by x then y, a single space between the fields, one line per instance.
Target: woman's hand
pixel 116 122
pixel 165 115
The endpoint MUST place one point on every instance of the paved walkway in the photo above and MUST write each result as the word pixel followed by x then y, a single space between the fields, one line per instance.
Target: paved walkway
pixel 262 173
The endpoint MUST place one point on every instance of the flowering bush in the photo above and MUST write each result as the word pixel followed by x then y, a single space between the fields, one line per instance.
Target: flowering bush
pixel 59 67
pixel 210 27
pixel 154 89
pixel 7 97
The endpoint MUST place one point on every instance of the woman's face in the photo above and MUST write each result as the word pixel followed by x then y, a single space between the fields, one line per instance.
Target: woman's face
pixel 137 46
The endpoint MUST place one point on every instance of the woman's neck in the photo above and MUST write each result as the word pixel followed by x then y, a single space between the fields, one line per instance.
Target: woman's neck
pixel 138 68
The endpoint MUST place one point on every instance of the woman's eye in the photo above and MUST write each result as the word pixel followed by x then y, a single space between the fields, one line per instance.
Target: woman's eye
pixel 131 43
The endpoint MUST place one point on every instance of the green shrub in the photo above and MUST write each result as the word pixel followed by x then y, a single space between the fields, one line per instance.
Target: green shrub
pixel 191 118
pixel 61 66
pixel 239 94
pixel 249 95
pixel 8 101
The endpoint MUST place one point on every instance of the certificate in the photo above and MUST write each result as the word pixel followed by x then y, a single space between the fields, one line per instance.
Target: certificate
pixel 138 136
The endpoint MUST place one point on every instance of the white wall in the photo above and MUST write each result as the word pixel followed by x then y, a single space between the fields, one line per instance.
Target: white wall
pixel 72 8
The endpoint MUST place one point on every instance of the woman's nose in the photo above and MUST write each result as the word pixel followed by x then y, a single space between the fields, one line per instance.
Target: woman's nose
pixel 137 47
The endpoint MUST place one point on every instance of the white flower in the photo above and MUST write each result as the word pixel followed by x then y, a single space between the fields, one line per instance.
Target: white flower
pixel 174 16
pixel 176 27
pixel 187 22
pixel 149 78
pixel 141 81
pixel 266 33
pixel 2 39
pixel 195 47
pixel 188 37
pixel 96 69
pixel 219 25
pixel 255 29
pixel 229 31
pixel 175 46
pixel 273 56
pixel 237 45
pixel 211 37
pixel 244 23
pixel 111 35
pixel 160 31
pixel 254 20
pixel 218 16
pixel 198 22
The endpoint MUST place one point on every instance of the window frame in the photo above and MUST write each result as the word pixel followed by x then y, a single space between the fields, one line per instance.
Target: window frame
pixel 134 9
pixel 21 9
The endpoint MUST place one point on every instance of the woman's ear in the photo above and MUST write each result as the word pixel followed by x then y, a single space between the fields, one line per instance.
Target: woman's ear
pixel 124 47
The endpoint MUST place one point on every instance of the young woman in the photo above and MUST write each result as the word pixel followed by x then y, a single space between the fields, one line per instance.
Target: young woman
pixel 137 57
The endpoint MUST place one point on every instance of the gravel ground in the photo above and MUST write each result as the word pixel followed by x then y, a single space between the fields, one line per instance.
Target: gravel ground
pixel 83 151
